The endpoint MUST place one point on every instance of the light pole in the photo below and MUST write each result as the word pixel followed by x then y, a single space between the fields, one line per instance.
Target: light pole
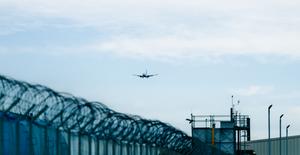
pixel 269 130
pixel 286 140
pixel 280 133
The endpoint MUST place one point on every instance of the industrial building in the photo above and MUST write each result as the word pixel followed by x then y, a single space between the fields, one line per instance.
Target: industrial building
pixel 227 133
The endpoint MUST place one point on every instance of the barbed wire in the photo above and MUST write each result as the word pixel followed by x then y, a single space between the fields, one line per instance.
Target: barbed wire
pixel 70 113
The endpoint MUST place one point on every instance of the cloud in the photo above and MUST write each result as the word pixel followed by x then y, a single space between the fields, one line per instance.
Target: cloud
pixel 167 29
pixel 184 47
pixel 253 90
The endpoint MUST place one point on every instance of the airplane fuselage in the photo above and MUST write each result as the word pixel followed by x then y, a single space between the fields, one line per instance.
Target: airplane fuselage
pixel 144 76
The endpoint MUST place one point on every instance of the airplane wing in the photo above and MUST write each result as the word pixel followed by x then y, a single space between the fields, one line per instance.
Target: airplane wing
pixel 136 75
pixel 152 75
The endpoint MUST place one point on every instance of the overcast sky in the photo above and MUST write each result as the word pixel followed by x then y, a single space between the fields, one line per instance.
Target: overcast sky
pixel 203 51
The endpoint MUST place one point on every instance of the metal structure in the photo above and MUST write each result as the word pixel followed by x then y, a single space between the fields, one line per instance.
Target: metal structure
pixel 287 140
pixel 280 147
pixel 269 130
pixel 225 132
pixel 70 114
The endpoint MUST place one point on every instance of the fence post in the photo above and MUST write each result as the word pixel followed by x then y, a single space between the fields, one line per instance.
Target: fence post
pixel 79 143
pixel 134 148
pixel 17 137
pixel 113 147
pixel 57 141
pixel 31 151
pixel 156 150
pixel 90 144
pixel 151 149
pixel 46 150
pixel 121 148
pixel 69 142
pixel 97 146
pixel 1 134
pixel 127 148
pixel 106 147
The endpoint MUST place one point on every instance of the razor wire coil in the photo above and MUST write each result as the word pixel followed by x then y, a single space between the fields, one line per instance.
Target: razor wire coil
pixel 67 112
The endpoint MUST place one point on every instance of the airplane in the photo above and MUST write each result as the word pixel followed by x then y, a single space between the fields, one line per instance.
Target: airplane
pixel 145 75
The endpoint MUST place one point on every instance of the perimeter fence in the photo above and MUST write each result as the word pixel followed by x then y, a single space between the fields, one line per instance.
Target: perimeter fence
pixel 21 136
pixel 35 120
pixel 38 120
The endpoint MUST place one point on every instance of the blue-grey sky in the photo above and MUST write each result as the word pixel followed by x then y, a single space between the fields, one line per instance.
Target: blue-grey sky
pixel 203 51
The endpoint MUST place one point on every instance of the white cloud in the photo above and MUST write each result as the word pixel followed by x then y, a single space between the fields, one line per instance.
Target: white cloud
pixel 253 90
pixel 181 47
pixel 169 29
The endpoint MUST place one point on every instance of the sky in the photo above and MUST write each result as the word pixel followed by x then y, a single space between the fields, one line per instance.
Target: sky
pixel 203 51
